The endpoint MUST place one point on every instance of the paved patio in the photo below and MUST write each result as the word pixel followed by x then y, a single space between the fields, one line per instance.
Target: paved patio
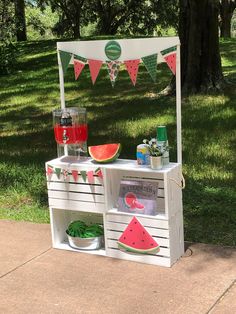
pixel 34 278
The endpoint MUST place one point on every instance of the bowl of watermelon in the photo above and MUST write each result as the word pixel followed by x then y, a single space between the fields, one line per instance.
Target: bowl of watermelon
pixel 85 237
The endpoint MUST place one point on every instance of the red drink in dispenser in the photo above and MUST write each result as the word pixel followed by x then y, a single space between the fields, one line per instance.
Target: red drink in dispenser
pixel 71 131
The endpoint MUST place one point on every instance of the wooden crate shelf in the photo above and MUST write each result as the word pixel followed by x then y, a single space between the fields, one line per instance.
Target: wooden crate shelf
pixel 96 202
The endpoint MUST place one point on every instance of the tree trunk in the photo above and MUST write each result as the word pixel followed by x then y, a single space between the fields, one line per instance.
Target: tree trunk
pixel 20 20
pixel 226 12
pixel 200 56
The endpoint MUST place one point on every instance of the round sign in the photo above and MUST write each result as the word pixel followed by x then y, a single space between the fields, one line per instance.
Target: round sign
pixel 113 50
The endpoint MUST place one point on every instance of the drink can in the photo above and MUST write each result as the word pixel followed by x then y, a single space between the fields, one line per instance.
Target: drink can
pixel 143 155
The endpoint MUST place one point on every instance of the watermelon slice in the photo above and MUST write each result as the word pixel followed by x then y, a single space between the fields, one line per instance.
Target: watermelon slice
pixel 170 57
pixel 136 239
pixel 105 153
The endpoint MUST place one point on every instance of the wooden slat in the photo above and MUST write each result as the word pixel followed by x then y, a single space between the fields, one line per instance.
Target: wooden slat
pixel 76 205
pixel 115 236
pixel 76 196
pixel 164 233
pixel 163 251
pixel 155 179
pixel 146 222
pixel 141 258
pixel 83 188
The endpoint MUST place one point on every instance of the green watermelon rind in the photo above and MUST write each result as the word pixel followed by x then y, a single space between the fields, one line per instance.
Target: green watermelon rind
pixel 104 161
pixel 155 249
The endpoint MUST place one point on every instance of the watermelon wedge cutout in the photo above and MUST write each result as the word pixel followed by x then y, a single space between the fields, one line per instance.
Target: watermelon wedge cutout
pixel 170 57
pixel 105 153
pixel 131 202
pixel 136 239
pixel 132 68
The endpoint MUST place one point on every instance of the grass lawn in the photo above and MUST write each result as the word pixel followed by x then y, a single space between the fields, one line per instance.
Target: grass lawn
pixel 122 114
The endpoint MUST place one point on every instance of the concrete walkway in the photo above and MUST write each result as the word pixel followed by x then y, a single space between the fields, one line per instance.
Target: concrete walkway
pixel 34 278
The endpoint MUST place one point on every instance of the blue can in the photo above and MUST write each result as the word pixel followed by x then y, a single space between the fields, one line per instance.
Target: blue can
pixel 143 155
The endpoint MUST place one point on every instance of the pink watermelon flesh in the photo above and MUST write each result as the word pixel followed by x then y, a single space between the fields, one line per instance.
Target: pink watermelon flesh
pixel 171 61
pixel 130 198
pixel 136 239
pixel 138 205
pixel 105 153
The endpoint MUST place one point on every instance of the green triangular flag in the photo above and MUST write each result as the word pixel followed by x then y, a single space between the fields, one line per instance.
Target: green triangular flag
pixel 58 172
pixel 77 57
pixel 83 174
pixel 65 59
pixel 150 63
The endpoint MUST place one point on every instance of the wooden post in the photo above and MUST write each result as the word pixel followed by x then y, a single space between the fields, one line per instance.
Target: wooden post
pixel 178 106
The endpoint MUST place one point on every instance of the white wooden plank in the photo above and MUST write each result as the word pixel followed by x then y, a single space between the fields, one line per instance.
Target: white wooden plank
pixel 76 205
pixel 76 196
pixel 146 222
pixel 82 188
pixel 115 236
pixel 163 251
pixel 66 246
pixel 164 233
pixel 146 259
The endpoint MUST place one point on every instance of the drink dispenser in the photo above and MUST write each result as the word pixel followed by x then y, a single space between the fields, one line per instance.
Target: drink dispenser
pixel 71 132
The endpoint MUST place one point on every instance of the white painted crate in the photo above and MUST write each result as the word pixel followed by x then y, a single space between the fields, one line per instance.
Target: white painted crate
pixel 69 200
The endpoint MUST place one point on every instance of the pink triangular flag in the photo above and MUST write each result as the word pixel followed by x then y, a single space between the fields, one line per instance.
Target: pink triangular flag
pixel 132 68
pixel 49 171
pixel 90 177
pixel 75 175
pixel 94 67
pixel 171 61
pixel 98 172
pixel 78 67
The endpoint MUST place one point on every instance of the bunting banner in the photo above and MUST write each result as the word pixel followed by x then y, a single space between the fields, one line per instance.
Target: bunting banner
pixel 58 172
pixel 132 69
pixel 170 57
pixel 98 172
pixel 83 175
pixel 94 67
pixel 113 70
pixel 113 52
pixel 65 59
pixel 90 177
pixel 150 63
pixel 78 67
pixel 75 175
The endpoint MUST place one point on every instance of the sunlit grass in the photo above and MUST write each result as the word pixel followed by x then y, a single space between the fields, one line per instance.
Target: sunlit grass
pixel 121 114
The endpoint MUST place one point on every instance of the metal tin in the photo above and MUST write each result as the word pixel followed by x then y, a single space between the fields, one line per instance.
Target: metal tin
pixel 143 155
pixel 86 243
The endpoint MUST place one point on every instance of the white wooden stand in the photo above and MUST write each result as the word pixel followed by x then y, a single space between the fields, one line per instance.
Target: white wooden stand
pixel 70 200
pixel 96 202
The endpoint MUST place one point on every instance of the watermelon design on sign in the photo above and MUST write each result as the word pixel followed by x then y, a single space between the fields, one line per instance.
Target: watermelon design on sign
pixel 136 239
pixel 131 201
pixel 78 67
pixel 113 50
pixel 170 57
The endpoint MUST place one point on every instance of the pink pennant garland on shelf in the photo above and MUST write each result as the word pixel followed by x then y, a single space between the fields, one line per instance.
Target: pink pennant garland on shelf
pixel 132 68
pixel 90 177
pixel 94 67
pixel 75 175
pixel 98 172
pixel 78 67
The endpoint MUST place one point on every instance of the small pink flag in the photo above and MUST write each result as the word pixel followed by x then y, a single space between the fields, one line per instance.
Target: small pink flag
pixel 132 68
pixel 90 177
pixel 75 175
pixel 98 172
pixel 94 67
pixel 171 61
pixel 78 67
pixel 49 171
